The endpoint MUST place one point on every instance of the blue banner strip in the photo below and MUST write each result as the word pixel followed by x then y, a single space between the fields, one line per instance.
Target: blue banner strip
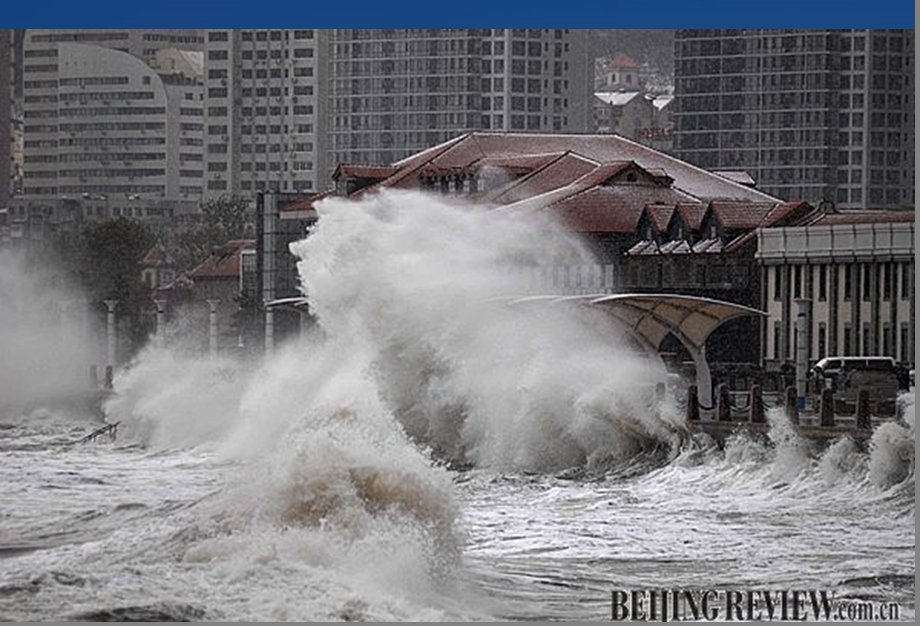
pixel 465 14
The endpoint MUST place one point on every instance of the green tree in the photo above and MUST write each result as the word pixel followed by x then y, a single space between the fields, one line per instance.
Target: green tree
pixel 222 219
pixel 111 269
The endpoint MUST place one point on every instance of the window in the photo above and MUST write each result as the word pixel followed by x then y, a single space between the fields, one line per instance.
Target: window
pixel 867 282
pixel 777 336
pixel 848 282
pixel 886 281
pixel 777 284
pixel 867 342
pixel 822 283
pixel 822 340
pixel 847 339
pixel 906 272
pixel 797 281
pixel 217 35
pixel 906 352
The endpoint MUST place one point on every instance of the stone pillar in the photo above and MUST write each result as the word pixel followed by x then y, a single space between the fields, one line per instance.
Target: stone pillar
pixel 161 318
pixel 269 331
pixel 724 408
pixel 827 407
pixel 212 327
pixel 693 404
pixel 703 376
pixel 863 418
pixel 110 332
pixel 792 406
pixel 801 351
pixel 757 414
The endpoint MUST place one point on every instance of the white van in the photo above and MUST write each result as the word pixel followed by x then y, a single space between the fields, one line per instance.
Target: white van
pixel 847 374
pixel 836 365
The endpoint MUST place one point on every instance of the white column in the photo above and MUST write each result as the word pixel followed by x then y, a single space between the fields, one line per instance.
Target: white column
pixel 110 332
pixel 161 318
pixel 703 378
pixel 801 351
pixel 212 327
pixel 269 331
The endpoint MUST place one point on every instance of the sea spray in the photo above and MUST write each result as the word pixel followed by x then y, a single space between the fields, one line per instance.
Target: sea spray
pixel 45 342
pixel 893 447
pixel 423 286
pixel 165 398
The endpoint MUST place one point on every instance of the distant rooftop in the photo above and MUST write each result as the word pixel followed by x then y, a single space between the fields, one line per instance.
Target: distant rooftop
pixel 616 98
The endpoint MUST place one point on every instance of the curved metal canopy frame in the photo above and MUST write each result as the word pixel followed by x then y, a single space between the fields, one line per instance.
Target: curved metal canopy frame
pixel 650 317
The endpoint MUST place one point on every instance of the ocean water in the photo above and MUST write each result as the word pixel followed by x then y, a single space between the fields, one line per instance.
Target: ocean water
pixel 431 453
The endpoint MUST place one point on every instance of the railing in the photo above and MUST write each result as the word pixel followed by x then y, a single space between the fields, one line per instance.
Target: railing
pixel 747 409
pixel 109 429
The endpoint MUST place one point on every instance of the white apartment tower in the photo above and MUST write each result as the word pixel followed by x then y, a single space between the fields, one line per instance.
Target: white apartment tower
pixel 810 114
pixel 398 91
pixel 112 113
pixel 264 114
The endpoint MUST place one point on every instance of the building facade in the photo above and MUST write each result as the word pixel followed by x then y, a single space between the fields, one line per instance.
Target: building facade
pixel 6 108
pixel 809 114
pixel 266 110
pixel 645 118
pixel 855 270
pixel 106 113
pixel 396 92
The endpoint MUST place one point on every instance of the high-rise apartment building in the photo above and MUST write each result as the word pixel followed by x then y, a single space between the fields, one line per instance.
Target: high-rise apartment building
pixel 111 112
pixel 809 114
pixel 6 107
pixel 265 111
pixel 397 91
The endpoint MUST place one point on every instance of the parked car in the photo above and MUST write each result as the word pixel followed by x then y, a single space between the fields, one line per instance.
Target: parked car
pixel 882 375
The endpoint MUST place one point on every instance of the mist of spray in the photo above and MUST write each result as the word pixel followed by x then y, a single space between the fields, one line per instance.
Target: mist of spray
pixel 44 338
pixel 421 285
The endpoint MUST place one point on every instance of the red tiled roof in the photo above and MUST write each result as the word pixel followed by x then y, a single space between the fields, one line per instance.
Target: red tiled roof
pixel 740 215
pixel 783 211
pixel 692 214
pixel 467 149
pixel 158 256
pixel 224 261
pixel 561 172
pixel 660 215
pixel 378 172
pixel 599 210
pixel 306 203
pixel 623 61
pixel 522 163
pixel 866 216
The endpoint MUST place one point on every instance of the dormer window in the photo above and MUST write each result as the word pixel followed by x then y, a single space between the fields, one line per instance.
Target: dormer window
pixel 631 177
pixel 713 231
